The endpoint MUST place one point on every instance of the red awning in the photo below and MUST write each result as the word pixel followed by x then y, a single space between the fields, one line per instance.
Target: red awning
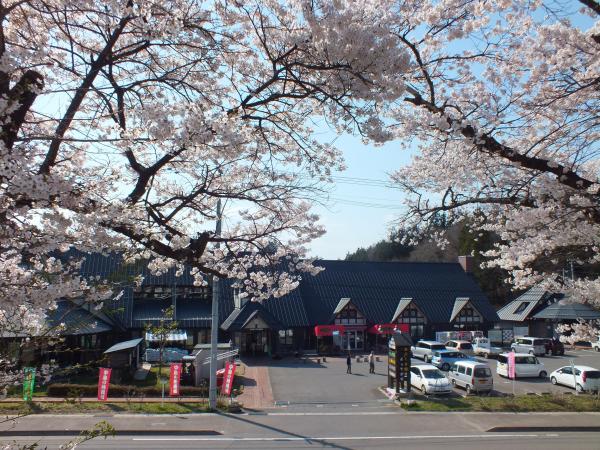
pixel 388 328
pixel 327 330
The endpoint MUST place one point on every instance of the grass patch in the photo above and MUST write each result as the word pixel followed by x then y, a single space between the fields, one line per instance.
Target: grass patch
pixel 522 403
pixel 99 407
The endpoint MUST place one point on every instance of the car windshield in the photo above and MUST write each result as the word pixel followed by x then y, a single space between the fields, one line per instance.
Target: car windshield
pixel 592 373
pixel 438 347
pixel 434 374
pixel 483 372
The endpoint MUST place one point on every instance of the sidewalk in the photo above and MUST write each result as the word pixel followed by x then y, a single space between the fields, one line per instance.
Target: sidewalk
pixel 257 392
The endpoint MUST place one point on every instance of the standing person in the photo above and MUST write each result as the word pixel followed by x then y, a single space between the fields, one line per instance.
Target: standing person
pixel 349 363
pixel 372 362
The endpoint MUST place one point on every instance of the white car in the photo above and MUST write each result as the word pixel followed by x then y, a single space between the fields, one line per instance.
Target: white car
pixel 596 345
pixel 526 365
pixel 429 379
pixel 586 378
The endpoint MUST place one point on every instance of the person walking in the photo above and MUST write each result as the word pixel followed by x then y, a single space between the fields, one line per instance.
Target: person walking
pixel 372 362
pixel 349 363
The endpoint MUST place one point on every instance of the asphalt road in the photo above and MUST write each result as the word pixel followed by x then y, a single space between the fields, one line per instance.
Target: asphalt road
pixel 302 386
pixel 347 431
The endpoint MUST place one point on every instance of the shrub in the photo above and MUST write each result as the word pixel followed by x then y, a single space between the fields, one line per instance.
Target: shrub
pixel 66 390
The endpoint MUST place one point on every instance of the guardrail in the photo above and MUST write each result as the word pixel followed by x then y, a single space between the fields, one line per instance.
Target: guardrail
pixel 220 356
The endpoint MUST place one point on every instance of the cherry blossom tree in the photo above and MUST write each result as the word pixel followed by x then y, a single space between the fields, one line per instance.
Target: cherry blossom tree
pixel 125 122
pixel 501 112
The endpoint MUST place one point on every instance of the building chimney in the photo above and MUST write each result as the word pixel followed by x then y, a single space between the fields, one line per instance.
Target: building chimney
pixel 466 262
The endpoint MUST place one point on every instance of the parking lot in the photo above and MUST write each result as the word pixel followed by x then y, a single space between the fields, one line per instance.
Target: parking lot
pixel 584 357
pixel 326 384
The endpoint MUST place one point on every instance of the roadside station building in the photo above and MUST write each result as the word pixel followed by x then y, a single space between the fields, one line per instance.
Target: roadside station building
pixel 348 306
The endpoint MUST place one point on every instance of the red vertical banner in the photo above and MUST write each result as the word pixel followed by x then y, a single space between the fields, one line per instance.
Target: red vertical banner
pixel 511 365
pixel 175 378
pixel 228 379
pixel 103 383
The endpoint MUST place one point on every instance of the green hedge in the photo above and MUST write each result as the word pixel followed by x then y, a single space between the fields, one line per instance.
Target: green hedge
pixel 66 390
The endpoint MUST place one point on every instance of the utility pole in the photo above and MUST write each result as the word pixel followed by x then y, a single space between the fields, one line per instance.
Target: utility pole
pixel 214 330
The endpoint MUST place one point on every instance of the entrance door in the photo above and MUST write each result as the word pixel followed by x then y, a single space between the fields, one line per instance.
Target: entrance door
pixel 353 340
pixel 255 342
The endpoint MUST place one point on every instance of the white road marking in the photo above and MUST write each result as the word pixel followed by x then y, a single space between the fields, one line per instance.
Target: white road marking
pixel 338 438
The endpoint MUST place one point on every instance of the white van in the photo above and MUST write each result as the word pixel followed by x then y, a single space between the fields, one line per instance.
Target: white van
pixel 471 375
pixel 531 345
pixel 526 365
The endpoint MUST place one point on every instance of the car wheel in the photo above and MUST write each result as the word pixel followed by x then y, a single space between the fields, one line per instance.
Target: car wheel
pixel 423 389
pixel 425 359
pixel 446 367
pixel 598 348
pixel 553 380
pixel 453 382
pixel 468 389
pixel 486 355
pixel 531 352
pixel 578 388
pixel 543 374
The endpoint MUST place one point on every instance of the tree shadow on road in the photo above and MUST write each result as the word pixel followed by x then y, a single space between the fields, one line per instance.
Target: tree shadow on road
pixel 307 439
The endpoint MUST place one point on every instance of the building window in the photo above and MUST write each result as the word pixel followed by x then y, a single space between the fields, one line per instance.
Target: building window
pixel 349 316
pixel 286 337
pixel 412 315
pixel 468 315
pixel 522 307
pixel 166 292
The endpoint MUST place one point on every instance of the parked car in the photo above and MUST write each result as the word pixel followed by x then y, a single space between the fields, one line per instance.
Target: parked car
pixel 472 375
pixel 596 345
pixel 462 346
pixel 554 346
pixel 483 347
pixel 429 380
pixel 526 365
pixel 586 378
pixel 531 345
pixel 443 359
pixel 424 349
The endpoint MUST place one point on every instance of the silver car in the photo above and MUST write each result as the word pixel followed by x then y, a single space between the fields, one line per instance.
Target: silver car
pixel 531 345
pixel 471 375
pixel 424 349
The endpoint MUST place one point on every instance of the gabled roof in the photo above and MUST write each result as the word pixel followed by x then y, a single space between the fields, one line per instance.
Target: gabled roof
pixel 459 304
pixel 568 310
pixel 529 299
pixel 77 321
pixel 126 345
pixel 341 305
pixel 402 305
pixel 375 288
pixel 240 318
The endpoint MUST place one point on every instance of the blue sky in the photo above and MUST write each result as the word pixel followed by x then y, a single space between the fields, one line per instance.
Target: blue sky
pixel 362 204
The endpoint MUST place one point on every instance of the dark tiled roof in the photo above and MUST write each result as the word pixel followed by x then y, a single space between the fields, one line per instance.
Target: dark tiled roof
pixel 376 288
pixel 239 318
pixel 565 310
pixel 77 320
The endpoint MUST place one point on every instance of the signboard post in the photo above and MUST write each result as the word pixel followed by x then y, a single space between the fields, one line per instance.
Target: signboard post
pixel 28 383
pixel 511 369
pixel 574 376
pixel 175 377
pixel 228 378
pixel 399 362
pixel 103 383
